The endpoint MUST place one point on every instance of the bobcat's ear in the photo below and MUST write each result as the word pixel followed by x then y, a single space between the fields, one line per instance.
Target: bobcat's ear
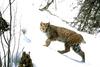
pixel 41 23
pixel 48 23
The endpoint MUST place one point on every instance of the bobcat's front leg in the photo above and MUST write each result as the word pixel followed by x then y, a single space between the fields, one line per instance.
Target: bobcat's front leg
pixel 48 41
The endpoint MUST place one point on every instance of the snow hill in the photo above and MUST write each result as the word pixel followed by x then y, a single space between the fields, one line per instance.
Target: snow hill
pixel 30 17
pixel 49 57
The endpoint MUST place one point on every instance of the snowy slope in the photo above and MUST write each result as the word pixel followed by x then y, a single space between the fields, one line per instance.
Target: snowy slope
pixel 48 56
pixel 30 17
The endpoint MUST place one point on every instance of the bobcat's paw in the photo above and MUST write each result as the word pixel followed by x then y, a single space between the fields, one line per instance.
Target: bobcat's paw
pixel 62 52
pixel 45 45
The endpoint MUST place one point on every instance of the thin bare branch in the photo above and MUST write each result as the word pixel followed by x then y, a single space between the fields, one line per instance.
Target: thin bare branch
pixel 18 43
pixel 14 33
pixel 7 7
pixel 47 6
pixel 3 52
pixel 56 16
pixel 9 42
pixel 0 61
pixel 5 38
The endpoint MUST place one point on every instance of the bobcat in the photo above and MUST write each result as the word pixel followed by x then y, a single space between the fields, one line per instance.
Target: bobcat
pixel 69 37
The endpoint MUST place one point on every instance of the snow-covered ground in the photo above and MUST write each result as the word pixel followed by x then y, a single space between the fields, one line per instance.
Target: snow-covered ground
pixel 30 17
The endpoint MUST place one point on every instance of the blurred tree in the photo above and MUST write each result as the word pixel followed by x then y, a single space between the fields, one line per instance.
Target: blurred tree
pixel 88 18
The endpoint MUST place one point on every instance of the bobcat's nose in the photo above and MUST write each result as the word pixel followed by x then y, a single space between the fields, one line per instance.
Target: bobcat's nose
pixel 41 29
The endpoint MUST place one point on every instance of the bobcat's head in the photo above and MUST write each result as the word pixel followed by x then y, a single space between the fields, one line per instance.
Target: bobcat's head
pixel 44 26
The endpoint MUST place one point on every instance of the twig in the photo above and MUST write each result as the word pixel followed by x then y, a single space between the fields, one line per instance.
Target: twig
pixel 3 52
pixel 46 9
pixel 55 5
pixel 47 6
pixel 9 42
pixel 18 43
pixel 5 38
pixel 0 61
pixel 14 34
pixel 7 7
pixel 56 16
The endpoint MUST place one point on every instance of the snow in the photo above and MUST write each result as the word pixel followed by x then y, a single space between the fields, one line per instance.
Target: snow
pixel 30 17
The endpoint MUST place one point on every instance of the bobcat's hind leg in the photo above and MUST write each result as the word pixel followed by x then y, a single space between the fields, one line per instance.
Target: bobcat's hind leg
pixel 78 50
pixel 67 49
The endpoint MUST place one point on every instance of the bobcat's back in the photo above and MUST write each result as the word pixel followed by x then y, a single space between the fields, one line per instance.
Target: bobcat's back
pixel 61 34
